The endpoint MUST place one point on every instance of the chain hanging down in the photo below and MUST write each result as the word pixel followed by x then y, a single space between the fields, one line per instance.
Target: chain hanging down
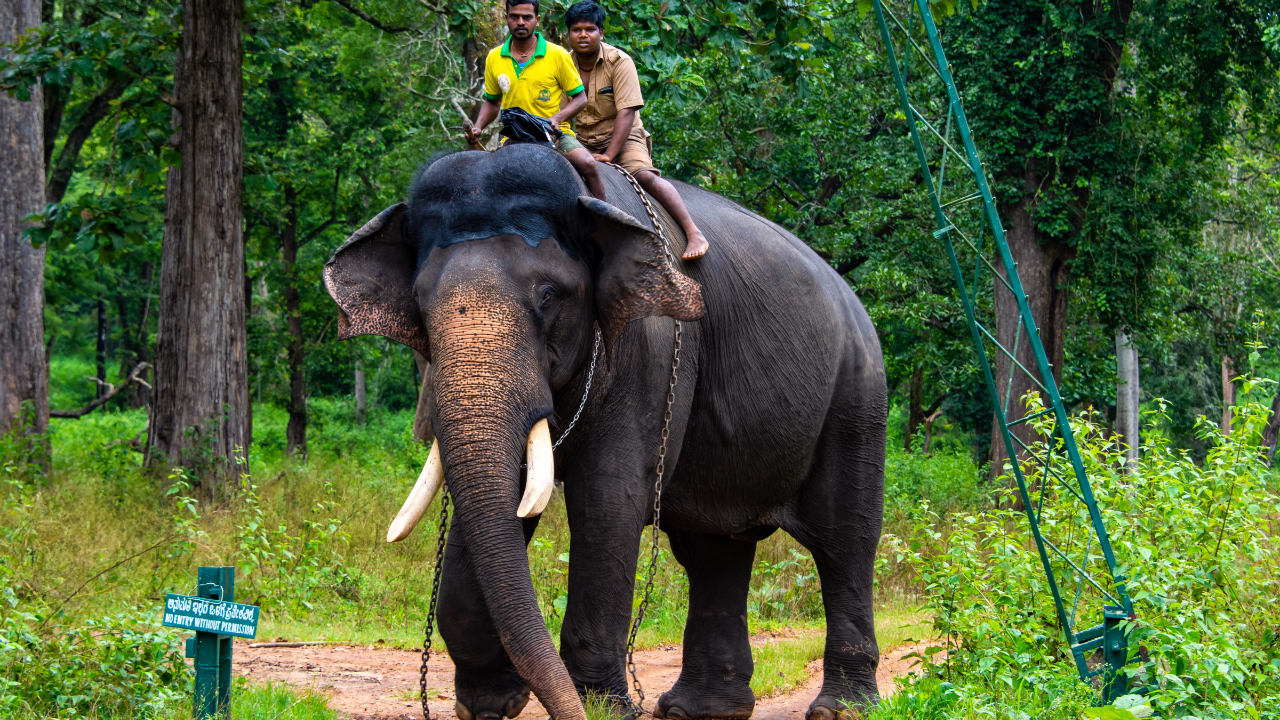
pixel 435 597
pixel 662 453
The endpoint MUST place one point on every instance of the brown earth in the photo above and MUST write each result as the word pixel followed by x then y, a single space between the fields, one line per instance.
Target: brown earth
pixel 365 682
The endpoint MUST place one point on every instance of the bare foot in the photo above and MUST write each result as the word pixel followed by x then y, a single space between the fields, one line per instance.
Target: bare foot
pixel 697 246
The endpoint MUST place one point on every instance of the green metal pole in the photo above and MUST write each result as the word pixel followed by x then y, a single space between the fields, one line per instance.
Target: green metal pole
pixel 1042 361
pixel 1109 637
pixel 224 647
pixel 942 222
pixel 213 670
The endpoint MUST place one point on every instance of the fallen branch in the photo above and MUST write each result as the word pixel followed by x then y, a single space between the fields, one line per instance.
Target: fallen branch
pixel 112 391
pixel 288 644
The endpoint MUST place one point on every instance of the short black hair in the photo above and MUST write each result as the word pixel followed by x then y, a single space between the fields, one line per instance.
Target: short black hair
pixel 537 10
pixel 584 11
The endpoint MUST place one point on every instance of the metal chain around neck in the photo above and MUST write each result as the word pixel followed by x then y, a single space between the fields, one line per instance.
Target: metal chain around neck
pixel 590 374
pixel 435 597
pixel 662 453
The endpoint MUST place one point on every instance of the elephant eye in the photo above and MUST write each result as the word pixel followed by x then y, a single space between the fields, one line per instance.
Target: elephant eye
pixel 547 295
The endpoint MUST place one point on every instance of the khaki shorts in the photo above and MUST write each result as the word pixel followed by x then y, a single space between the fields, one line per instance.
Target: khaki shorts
pixel 635 156
pixel 567 144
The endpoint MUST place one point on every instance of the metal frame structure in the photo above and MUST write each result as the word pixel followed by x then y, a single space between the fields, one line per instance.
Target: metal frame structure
pixel 1083 557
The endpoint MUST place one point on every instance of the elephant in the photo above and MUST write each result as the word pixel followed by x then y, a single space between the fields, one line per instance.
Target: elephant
pixel 501 269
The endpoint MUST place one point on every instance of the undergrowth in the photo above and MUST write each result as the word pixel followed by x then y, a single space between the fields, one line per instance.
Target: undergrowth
pixel 89 547
pixel 1197 543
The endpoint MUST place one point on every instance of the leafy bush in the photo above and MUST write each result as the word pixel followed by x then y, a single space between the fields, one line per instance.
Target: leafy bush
pixel 946 479
pixel 785 590
pixel 116 663
pixel 282 570
pixel 1196 543
pixel 106 666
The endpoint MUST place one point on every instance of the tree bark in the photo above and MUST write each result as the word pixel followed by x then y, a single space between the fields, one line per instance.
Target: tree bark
pixel 24 373
pixel 201 411
pixel 360 396
pixel 1271 434
pixel 101 349
pixel 1042 268
pixel 928 429
pixel 915 407
pixel 296 433
pixel 1228 394
pixel 1127 397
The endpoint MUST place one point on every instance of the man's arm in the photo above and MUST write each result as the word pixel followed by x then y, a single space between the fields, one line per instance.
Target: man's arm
pixel 621 129
pixel 576 103
pixel 488 112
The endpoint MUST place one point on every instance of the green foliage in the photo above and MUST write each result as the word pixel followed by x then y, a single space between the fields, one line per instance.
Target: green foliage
pixel 1196 543
pixel 785 589
pixel 51 665
pixel 283 571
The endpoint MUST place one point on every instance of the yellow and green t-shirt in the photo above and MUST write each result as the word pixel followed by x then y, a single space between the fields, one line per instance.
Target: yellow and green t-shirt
pixel 538 85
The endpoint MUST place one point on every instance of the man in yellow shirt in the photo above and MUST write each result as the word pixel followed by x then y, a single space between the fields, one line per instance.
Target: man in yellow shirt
pixel 609 124
pixel 529 73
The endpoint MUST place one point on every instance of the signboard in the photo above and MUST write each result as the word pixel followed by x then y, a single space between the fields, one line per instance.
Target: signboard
pixel 211 616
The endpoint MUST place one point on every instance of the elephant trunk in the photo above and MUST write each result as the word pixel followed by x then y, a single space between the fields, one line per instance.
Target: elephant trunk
pixel 488 395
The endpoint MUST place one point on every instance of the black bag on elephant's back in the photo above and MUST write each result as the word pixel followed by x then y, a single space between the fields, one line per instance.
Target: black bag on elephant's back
pixel 519 126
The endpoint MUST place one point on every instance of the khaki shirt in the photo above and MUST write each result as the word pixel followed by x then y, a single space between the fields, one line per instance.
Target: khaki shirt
pixel 614 73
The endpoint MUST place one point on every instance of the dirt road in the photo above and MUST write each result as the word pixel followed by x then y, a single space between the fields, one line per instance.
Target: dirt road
pixel 368 683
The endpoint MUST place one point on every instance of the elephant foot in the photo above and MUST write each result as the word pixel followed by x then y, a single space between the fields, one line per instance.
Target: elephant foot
pixel 682 703
pixel 829 707
pixel 490 703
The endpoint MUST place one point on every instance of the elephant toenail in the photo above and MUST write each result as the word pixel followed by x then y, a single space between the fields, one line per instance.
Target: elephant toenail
pixel 821 713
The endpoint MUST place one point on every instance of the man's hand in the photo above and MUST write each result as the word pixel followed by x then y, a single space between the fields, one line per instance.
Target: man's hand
pixel 470 132
pixel 602 158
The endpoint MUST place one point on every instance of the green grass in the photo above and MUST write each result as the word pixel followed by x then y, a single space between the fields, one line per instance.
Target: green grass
pixel 276 701
pixel 249 701
pixel 781 662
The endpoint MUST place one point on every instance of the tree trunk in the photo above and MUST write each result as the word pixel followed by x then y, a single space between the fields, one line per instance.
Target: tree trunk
pixel 915 407
pixel 1042 268
pixel 1127 397
pixel 928 430
pixel 360 397
pixel 1228 393
pixel 101 349
pixel 24 373
pixel 201 410
pixel 296 433
pixel 1271 434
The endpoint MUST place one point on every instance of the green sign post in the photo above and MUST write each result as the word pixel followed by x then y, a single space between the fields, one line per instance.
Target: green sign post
pixel 215 616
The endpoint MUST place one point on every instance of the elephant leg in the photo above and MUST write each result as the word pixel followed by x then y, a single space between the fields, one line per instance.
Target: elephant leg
pixel 715 677
pixel 839 522
pixel 486 684
pixel 593 638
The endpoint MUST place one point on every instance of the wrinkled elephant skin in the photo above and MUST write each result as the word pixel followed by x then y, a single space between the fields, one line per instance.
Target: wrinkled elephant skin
pixel 498 268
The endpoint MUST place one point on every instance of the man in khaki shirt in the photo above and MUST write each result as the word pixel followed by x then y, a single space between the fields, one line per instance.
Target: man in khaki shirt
pixel 609 125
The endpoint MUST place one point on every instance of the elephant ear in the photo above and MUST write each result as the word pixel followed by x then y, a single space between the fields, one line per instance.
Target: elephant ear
pixel 636 279
pixel 371 279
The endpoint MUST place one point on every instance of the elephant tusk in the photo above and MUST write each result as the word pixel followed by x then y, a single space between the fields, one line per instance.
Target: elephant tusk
pixel 540 481
pixel 424 491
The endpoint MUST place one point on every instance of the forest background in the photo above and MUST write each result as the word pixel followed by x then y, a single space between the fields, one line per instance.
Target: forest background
pixel 1132 146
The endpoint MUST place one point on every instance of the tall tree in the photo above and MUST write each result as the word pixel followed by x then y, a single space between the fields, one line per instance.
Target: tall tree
pixel 201 412
pixel 24 375
pixel 1097 121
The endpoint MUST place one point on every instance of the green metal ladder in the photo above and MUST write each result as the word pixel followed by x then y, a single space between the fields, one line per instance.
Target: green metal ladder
pixel 964 222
